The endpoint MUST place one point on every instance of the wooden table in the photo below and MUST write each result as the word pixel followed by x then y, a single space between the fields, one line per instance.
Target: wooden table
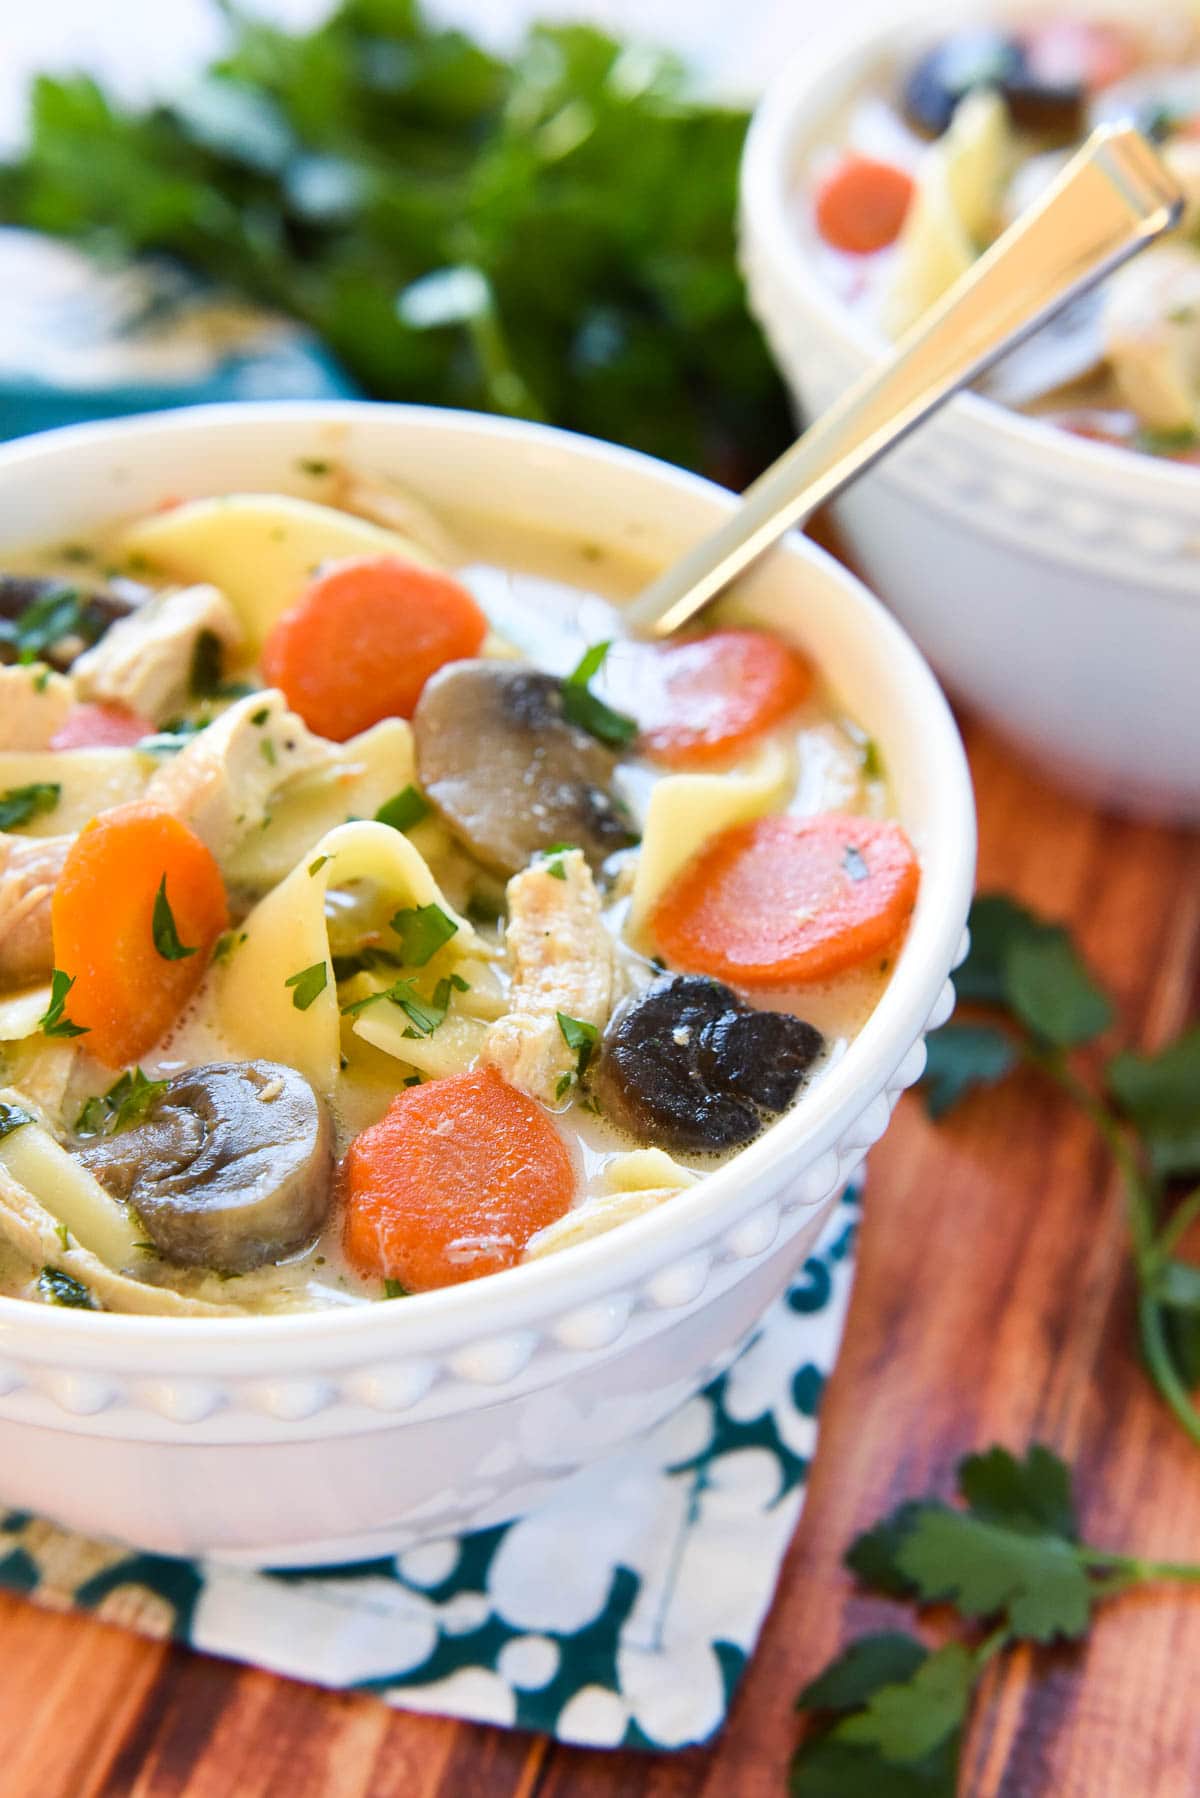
pixel 992 1304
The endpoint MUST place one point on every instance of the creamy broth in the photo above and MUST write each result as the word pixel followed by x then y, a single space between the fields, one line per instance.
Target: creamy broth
pixel 546 599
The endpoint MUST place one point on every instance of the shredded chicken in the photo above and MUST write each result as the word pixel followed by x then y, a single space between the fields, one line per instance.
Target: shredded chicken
pixel 561 960
pixel 29 867
pixel 145 661
pixel 33 704
pixel 224 781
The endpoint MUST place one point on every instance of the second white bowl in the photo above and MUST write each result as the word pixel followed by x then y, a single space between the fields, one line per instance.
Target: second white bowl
pixel 1054 582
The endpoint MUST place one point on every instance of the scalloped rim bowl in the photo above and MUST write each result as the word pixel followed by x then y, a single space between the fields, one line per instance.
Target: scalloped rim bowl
pixel 1053 581
pixel 351 1432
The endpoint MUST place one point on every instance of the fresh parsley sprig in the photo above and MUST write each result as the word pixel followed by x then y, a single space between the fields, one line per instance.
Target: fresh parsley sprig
pixel 586 710
pixel 19 804
pixel 889 1715
pixel 1037 1004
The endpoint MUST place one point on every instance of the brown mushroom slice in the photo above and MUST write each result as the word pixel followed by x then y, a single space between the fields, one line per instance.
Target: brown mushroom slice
pixel 507 771
pixel 230 1169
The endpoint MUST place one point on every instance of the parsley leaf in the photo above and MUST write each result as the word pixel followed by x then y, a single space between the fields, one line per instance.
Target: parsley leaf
pixel 1033 1494
pixel 204 676
pixel 395 1289
pixel 59 1288
pixel 907 1720
pixel 1161 1093
pixel 166 936
pixel 308 984
pixel 581 1038
pixel 12 1117
pixel 861 1669
pixel 423 930
pixel 125 1103
pixel 582 708
pixel 20 804
pixel 403 809
pixel 1051 990
pixel 961 1057
pixel 1036 1582
pixel 53 1021
pixel 425 1015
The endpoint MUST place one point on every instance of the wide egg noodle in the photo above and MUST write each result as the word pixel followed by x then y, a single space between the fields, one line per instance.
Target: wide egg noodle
pixel 287 932
pixel 260 549
pixel 90 781
pixel 685 810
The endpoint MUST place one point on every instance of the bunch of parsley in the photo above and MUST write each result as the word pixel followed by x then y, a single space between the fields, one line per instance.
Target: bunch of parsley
pixel 888 1717
pixel 1036 1004
pixel 550 236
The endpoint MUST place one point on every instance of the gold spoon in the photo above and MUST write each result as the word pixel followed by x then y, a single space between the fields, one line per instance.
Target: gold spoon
pixel 1112 199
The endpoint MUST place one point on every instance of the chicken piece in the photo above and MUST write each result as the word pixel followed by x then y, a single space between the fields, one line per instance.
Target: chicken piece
pixel 561 960
pixel 224 781
pixel 33 703
pixel 1152 336
pixel 29 867
pixel 144 662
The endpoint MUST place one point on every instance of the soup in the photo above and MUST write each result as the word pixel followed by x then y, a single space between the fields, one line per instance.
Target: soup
pixel 367 928
pixel 930 163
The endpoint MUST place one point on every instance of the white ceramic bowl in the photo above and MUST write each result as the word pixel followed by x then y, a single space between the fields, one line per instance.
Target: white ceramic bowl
pixel 1054 582
pixel 341 1434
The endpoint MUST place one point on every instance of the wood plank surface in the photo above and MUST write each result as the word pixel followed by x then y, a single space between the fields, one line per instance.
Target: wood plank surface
pixel 992 1303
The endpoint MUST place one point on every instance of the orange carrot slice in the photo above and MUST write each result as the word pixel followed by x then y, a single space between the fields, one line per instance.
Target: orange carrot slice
pixel 363 639
pixel 703 700
pixel 100 727
pixel 135 958
pixel 782 901
pixel 861 204
pixel 452 1182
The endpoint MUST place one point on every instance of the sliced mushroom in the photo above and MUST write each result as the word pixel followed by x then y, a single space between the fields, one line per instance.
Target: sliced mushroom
pixel 31 601
pixel 687 1065
pixel 232 1167
pixel 506 770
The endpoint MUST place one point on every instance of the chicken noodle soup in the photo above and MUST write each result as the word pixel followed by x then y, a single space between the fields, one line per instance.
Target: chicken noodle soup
pixel 367 927
pixel 937 155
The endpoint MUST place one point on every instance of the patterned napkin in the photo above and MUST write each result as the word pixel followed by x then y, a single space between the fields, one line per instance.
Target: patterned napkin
pixel 618 1615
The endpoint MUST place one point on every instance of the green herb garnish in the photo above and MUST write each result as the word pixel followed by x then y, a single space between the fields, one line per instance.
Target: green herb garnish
pixel 162 925
pixel 1039 1003
pixel 315 867
pixel 59 1288
pixel 889 1715
pixel 308 984
pixel 403 809
pixel 260 717
pixel 581 706
pixel 53 1021
pixel 425 1015
pixel 12 1117
pixel 59 613
pixel 423 930
pixel 125 1103
pixel 395 1289
pixel 313 465
pixel 553 859
pixel 20 804
pixel 204 679
pixel 581 1038
pixel 173 737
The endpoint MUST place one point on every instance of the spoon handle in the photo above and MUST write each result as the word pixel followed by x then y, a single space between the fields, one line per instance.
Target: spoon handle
pixel 1111 200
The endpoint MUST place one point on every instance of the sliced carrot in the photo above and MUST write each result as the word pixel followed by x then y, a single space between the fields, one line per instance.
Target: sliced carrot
pixel 127 992
pixel 100 727
pixel 703 700
pixel 452 1182
pixel 363 639
pixel 861 204
pixel 781 901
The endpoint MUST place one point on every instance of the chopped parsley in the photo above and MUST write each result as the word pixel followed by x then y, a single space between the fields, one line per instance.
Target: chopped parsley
pixel 125 1103
pixel 58 1288
pixel 872 761
pixel 425 1015
pixel 226 943
pixel 268 752
pixel 395 1289
pixel 308 984
pixel 581 706
pixel 204 678
pixel 57 613
pixel 581 1038
pixel 173 736
pixel 12 1117
pixel 313 465
pixel 423 930
pixel 20 804
pixel 315 867
pixel 53 1021
pixel 553 859
pixel 403 809
pixel 162 925
pixel 260 717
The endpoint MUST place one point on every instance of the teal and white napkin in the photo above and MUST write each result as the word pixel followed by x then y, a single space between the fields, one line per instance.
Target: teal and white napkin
pixel 80 340
pixel 620 1614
